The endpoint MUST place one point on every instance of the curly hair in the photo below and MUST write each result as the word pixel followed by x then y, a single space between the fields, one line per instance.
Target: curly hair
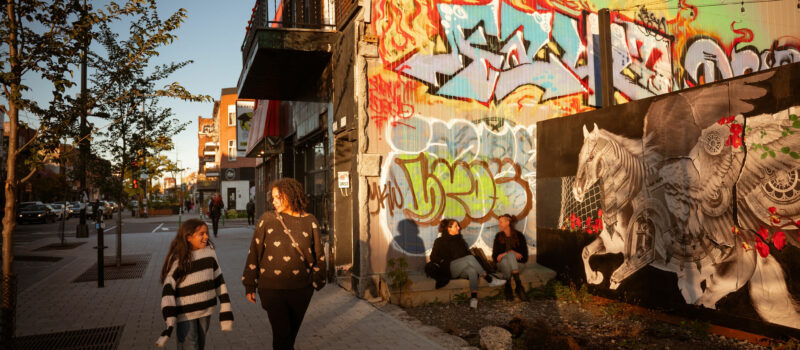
pixel 293 191
pixel 444 225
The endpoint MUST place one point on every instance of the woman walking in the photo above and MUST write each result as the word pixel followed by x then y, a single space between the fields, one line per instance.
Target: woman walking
pixel 510 250
pixel 215 212
pixel 450 249
pixel 275 269
pixel 191 283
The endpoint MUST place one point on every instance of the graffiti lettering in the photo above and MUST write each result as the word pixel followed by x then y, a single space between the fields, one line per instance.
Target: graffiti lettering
pixel 461 170
pixel 650 20
pixel 388 101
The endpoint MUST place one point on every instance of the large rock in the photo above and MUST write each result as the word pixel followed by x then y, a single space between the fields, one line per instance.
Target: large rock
pixel 495 338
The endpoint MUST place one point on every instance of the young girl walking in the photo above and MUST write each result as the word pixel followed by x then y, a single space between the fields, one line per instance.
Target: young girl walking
pixel 192 281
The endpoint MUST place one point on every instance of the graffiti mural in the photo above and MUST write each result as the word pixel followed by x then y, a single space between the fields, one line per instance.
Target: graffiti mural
pixel 460 170
pixel 453 76
pixel 708 190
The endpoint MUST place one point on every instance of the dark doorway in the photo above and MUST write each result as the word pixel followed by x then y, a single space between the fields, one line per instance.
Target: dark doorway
pixel 231 197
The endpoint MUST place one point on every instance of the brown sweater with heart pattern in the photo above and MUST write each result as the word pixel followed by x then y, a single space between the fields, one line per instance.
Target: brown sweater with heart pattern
pixel 272 262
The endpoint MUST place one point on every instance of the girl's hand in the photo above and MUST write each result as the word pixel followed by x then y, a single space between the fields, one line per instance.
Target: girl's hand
pixel 251 297
pixel 519 256
pixel 500 257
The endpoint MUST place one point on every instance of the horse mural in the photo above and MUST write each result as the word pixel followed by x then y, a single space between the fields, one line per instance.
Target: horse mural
pixel 675 213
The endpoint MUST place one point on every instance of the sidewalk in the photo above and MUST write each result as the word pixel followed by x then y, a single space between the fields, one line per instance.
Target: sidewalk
pixel 335 319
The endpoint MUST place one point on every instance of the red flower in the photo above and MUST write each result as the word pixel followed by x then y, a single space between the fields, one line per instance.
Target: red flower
pixel 598 224
pixel 779 240
pixel 736 129
pixel 600 213
pixel 763 233
pixel 772 210
pixel 734 141
pixel 589 230
pixel 763 249
pixel 572 220
pixel 746 246
pixel 774 219
pixel 735 230
pixel 588 221
pixel 797 223
pixel 726 120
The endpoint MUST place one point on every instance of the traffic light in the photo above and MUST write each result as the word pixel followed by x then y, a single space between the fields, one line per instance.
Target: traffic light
pixel 135 184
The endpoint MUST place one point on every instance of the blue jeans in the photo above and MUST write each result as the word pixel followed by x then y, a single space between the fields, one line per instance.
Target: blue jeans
pixel 192 333
pixel 508 264
pixel 467 267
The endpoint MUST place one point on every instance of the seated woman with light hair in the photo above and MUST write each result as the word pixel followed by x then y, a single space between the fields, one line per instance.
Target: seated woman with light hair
pixel 510 251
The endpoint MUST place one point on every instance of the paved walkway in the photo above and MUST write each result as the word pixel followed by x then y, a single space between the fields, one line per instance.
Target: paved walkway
pixel 335 320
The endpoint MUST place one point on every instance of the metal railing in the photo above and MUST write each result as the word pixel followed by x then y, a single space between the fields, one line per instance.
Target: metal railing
pixel 306 14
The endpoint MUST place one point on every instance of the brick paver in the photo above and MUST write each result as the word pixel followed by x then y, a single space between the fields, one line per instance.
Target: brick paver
pixel 335 320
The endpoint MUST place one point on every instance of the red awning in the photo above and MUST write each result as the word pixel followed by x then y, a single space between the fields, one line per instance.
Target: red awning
pixel 265 122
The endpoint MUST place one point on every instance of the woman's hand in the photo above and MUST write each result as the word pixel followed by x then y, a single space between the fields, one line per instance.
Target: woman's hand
pixel 251 297
pixel 500 257
pixel 519 256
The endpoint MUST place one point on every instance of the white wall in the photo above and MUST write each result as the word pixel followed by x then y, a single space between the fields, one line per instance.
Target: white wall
pixel 242 193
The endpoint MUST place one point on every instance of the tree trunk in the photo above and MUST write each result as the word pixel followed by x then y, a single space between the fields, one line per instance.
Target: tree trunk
pixel 9 302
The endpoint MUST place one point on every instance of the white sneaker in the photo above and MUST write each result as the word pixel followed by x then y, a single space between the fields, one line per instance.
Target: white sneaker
pixel 473 303
pixel 496 282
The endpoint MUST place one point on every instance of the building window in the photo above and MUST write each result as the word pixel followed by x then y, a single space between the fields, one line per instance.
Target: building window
pixel 232 115
pixel 231 150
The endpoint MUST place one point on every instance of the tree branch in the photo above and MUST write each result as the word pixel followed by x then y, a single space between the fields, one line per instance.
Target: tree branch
pixel 27 144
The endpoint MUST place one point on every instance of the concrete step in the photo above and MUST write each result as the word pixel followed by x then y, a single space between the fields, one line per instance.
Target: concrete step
pixel 421 290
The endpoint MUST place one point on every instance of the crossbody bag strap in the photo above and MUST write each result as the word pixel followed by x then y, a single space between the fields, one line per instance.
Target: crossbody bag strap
pixel 296 246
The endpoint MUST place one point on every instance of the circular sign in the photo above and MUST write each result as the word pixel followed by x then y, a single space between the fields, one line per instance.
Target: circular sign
pixel 230 174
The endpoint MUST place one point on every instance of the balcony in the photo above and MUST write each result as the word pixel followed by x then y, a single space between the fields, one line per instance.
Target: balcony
pixel 286 57
pixel 207 183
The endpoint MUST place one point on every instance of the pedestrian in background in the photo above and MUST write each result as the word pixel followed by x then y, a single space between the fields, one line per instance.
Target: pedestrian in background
pixel 276 269
pixel 215 211
pixel 192 280
pixel 450 250
pixel 510 251
pixel 251 212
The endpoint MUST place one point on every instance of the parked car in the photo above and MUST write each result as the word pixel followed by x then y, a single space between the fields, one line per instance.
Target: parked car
pixel 114 206
pixel 57 208
pixel 36 213
pixel 25 204
pixel 104 208
pixel 76 209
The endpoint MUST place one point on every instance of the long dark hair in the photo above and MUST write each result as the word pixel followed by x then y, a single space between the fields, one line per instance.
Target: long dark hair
pixel 293 191
pixel 511 222
pixel 443 225
pixel 180 251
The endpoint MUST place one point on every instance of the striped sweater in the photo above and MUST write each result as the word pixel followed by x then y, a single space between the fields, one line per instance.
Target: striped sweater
pixel 196 296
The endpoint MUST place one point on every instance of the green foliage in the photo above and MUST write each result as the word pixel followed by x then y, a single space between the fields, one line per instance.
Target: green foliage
pixel 461 297
pixel 436 302
pixel 572 294
pixel 613 309
pixel 397 274
pixel 696 327
pixel 545 291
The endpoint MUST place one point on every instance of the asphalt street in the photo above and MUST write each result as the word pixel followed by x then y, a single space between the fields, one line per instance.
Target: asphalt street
pixel 32 267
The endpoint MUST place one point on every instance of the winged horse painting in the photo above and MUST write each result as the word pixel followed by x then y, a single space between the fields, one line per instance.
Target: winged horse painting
pixel 675 213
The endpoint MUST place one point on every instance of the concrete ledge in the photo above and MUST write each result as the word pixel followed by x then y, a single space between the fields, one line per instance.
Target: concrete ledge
pixel 422 290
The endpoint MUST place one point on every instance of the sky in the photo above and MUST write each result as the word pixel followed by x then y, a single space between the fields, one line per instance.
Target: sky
pixel 211 36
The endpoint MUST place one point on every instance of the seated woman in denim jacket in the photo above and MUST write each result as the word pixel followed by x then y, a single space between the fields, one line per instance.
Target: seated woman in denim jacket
pixel 450 249
pixel 510 250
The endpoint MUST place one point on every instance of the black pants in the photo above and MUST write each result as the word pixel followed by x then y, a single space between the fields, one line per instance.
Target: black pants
pixel 285 309
pixel 251 218
pixel 215 224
